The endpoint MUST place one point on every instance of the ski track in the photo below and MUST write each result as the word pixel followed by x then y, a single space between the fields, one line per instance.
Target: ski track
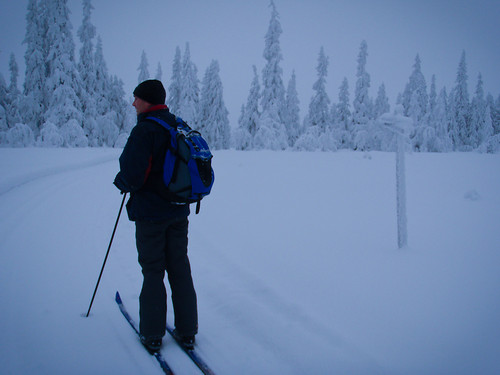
pixel 13 182
pixel 234 295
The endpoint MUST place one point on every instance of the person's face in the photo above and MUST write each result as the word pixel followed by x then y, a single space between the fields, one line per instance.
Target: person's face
pixel 140 105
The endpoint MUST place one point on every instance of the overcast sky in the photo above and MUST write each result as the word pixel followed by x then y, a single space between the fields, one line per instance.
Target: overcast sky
pixel 232 32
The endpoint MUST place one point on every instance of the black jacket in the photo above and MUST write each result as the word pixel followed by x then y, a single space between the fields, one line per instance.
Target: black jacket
pixel 141 170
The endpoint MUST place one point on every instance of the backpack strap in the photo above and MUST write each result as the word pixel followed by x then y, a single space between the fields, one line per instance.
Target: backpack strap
pixel 172 130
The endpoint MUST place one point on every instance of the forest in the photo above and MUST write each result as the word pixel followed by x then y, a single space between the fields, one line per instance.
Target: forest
pixel 74 101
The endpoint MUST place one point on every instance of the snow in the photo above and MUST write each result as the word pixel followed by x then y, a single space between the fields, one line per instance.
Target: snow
pixel 294 258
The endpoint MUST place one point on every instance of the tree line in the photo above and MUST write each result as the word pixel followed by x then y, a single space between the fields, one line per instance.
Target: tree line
pixel 75 102
pixel 443 121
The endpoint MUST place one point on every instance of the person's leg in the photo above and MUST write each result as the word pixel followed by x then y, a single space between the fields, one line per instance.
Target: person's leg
pixel 151 243
pixel 181 282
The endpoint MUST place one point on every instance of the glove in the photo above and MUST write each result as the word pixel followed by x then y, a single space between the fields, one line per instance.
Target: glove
pixel 120 183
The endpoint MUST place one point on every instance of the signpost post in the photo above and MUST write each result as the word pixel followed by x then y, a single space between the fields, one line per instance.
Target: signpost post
pixel 401 126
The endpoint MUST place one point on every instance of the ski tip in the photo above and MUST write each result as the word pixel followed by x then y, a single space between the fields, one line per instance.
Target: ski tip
pixel 118 298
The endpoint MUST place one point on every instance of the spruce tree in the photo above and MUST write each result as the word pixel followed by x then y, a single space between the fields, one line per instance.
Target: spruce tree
pixel 87 70
pixel 4 126
pixel 478 116
pixel 416 84
pixel 461 130
pixel 240 138
pixel 124 115
pixel 495 117
pixel 35 98
pixel 174 90
pixel 271 132
pixel 381 102
pixel 13 102
pixel 343 115
pixel 431 107
pixel 189 100
pixel 113 113
pixel 442 119
pixel 424 135
pixel 214 121
pixel 362 132
pixel 488 142
pixel 63 80
pixel 102 79
pixel 319 114
pixel 415 102
pixel 319 131
pixel 249 117
pixel 143 68
pixel 87 33
pixel 159 72
pixel 292 111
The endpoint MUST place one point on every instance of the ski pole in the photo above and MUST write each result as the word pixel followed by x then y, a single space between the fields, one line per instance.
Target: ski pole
pixel 106 257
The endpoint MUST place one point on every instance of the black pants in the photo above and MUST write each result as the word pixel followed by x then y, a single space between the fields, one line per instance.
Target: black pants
pixel 163 246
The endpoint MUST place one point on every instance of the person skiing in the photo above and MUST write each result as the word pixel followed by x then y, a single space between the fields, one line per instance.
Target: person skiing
pixel 161 225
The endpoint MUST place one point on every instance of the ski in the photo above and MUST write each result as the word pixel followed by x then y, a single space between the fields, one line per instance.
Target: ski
pixel 197 360
pixel 163 364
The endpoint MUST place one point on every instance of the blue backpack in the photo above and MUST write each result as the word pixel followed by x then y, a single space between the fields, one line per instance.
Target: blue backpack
pixel 187 170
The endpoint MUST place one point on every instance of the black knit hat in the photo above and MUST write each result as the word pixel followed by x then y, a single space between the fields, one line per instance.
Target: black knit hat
pixel 151 91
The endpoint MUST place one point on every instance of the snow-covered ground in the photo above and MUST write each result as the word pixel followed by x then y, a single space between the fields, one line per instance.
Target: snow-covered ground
pixel 294 258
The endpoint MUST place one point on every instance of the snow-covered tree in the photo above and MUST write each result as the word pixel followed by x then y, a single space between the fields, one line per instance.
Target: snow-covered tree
pixel 361 116
pixel 271 132
pixel 50 136
pixel 461 130
pixel 13 98
pixel 35 97
pixel 114 115
pixel 319 131
pixel 14 74
pixel 189 100
pixel 3 113
pixel 495 115
pixel 416 90
pixel 443 142
pixel 479 116
pixel 319 114
pixel 415 101
pixel 361 102
pixel 87 33
pixel 214 121
pixel 20 135
pixel 159 72
pixel 87 70
pixel 63 102
pixel 488 141
pixel 249 117
pixel 425 134
pixel 143 68
pixel 175 87
pixel 241 138
pixel 72 134
pixel 381 102
pixel 123 114
pixel 4 92
pixel 63 81
pixel 102 79
pixel 343 115
pixel 431 106
pixel 292 111
pixel 380 107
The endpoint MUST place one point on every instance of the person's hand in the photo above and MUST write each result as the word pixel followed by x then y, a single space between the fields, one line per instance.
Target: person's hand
pixel 120 183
